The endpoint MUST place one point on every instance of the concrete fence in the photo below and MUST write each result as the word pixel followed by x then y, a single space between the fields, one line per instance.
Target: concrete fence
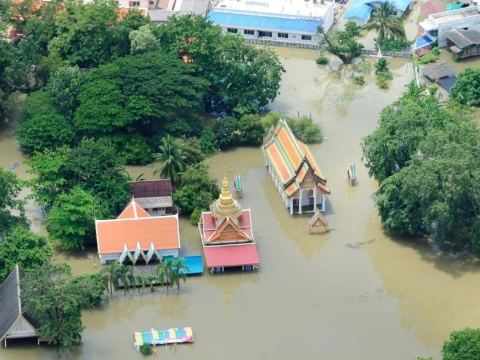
pixel 401 54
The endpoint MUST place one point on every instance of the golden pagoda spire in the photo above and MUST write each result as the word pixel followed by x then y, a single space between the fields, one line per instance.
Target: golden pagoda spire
pixel 226 197
pixel 226 206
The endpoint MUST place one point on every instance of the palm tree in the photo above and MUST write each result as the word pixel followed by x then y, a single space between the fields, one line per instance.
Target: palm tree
pixel 172 155
pixel 163 272
pixel 141 281
pixel 110 273
pixel 151 280
pixel 125 274
pixel 178 271
pixel 383 20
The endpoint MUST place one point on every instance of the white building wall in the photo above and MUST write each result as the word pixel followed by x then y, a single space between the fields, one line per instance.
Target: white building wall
pixel 293 37
pixel 109 258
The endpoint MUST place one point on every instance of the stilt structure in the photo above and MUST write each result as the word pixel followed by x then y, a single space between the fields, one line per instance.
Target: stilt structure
pixel 351 174
pixel 317 221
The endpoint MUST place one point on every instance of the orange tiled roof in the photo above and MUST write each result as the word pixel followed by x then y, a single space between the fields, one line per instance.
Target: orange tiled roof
pixel 242 231
pixel 290 158
pixel 134 225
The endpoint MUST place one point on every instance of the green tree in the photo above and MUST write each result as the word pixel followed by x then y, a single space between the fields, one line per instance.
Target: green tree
pixel 178 270
pixel 72 218
pixel 64 88
pixel 197 190
pixel 47 131
pixel 143 40
pixel 93 165
pixel 172 155
pixel 305 129
pixel 467 88
pixel 342 43
pixel 125 275
pixel 10 188
pixel 164 272
pixel 384 20
pixel 195 153
pixel 92 286
pixel 110 274
pixel 21 246
pixel 49 295
pixel 226 132
pixel 463 344
pixel 251 130
pixel 141 282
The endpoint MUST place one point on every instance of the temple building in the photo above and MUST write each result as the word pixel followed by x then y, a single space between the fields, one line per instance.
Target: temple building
pixel 135 236
pixel 14 322
pixel 227 235
pixel 294 171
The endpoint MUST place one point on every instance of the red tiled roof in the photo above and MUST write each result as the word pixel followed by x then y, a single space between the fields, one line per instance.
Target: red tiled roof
pixel 208 221
pixel 231 255
pixel 245 220
pixel 151 188
pixel 431 7
pixel 132 211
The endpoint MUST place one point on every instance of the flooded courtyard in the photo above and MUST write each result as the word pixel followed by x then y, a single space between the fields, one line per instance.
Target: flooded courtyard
pixel 313 296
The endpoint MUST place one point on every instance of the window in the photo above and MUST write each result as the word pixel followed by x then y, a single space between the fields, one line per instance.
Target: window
pixel 233 31
pixel 134 3
pixel 249 32
pixel 306 37
pixel 151 2
pixel 265 34
pixel 283 35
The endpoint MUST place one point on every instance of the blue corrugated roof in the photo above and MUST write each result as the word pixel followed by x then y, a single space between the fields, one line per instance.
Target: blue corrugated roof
pixel 362 9
pixel 423 41
pixel 263 22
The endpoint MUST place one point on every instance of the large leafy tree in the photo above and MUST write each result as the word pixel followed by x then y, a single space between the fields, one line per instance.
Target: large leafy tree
pixel 53 296
pixel 172 155
pixel 64 87
pixel 343 43
pixel 143 40
pixel 197 191
pixel 21 246
pixel 226 132
pixel 46 131
pixel 402 126
pixel 467 88
pixel 9 190
pixel 92 286
pixel 384 20
pixel 93 165
pixel 242 78
pixel 463 344
pixel 72 218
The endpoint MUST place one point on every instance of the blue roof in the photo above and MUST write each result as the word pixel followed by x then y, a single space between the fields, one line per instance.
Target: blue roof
pixel 423 41
pixel 358 10
pixel 194 263
pixel 362 9
pixel 263 22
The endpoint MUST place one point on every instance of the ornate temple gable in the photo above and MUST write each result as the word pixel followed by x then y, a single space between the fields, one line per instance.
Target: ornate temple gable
pixel 228 231
pixel 308 181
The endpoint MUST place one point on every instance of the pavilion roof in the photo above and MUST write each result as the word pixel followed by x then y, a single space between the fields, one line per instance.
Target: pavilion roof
pixel 291 159
pixel 151 188
pixel 231 255
pixel 242 231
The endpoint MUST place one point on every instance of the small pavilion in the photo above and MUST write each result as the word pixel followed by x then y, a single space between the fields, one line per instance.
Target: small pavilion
pixel 227 236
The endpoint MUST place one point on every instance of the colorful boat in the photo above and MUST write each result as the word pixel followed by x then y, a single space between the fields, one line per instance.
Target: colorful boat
pixel 164 337
pixel 238 186
pixel 14 165
pixel 351 174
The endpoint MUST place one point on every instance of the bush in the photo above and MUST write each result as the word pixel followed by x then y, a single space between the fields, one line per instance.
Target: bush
pixel 251 130
pixel 395 45
pixel 226 132
pixel 436 51
pixel 428 58
pixel 382 82
pixel 359 80
pixel 322 60
pixel 305 129
pixel 195 216
pixel 146 349
pixel 364 67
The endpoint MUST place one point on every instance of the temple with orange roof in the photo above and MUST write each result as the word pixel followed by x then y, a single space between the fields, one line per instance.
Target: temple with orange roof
pixel 294 171
pixel 135 236
pixel 227 234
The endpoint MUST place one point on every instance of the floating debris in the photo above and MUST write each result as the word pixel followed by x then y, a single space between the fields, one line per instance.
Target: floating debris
pixel 358 245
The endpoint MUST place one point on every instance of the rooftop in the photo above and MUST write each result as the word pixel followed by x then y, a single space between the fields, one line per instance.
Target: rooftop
pixel 151 188
pixel 438 71
pixel 231 255
pixel 431 7
pixel 452 15
pixel 362 9
pixel 137 226
pixel 463 38
pixel 263 22
pixel 278 7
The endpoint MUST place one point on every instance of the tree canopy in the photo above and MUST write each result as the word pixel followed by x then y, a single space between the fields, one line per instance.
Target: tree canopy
pixel 463 344
pixel 384 20
pixel 467 88
pixel 9 191
pixel 342 43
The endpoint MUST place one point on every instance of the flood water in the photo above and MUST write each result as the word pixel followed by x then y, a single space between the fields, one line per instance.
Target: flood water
pixel 312 297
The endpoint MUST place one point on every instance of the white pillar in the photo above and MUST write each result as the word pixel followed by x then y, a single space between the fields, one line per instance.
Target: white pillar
pixel 300 203
pixel 315 198
pixel 291 206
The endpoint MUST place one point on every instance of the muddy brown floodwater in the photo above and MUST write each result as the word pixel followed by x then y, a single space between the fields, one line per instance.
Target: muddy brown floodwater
pixel 312 297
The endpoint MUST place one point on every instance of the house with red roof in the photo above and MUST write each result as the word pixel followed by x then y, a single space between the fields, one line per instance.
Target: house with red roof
pixel 227 235
pixel 135 236
pixel 294 171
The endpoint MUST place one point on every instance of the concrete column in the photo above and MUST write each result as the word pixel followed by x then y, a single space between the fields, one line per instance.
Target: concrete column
pixel 300 203
pixel 291 206
pixel 315 198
